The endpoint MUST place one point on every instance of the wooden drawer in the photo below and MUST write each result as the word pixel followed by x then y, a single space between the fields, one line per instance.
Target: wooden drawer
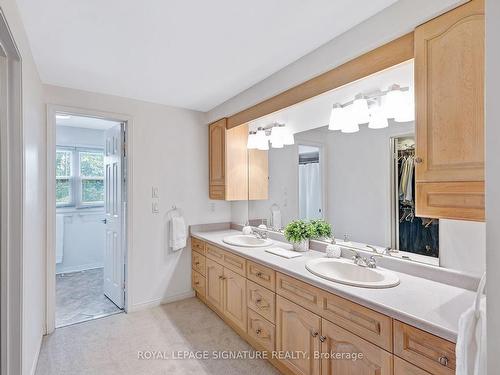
pixel 366 323
pixel 198 283
pixel 424 350
pixel 214 253
pixel 198 262
pixel 261 300
pixel 198 245
pixel 301 293
pixel 261 275
pixel 234 263
pixel 401 367
pixel 260 330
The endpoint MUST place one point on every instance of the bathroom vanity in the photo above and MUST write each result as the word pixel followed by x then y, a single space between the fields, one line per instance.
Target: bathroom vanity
pixel 278 306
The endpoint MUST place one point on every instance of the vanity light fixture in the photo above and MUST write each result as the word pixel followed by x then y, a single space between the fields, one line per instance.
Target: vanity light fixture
pixel 288 139
pixel 262 140
pixel 350 125
pixel 336 117
pixel 360 109
pixel 252 140
pixel 394 101
pixel 378 119
pixel 277 135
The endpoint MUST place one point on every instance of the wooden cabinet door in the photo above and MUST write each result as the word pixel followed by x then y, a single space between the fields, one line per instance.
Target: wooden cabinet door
pixel 217 158
pixel 449 94
pixel 345 353
pixel 297 333
pixel 214 284
pixel 237 163
pixel 235 299
pixel 258 175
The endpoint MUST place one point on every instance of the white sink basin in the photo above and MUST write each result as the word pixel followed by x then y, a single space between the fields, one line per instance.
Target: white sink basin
pixel 247 241
pixel 346 272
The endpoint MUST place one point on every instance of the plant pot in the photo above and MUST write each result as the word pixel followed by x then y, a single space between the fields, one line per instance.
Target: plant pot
pixel 301 246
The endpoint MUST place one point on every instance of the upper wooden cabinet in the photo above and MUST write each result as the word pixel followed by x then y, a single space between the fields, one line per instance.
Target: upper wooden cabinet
pixel 235 173
pixel 449 93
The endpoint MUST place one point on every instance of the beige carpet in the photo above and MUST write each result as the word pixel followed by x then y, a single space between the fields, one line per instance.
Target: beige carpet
pixel 113 345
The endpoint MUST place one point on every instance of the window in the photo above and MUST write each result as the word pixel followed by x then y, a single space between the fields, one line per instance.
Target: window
pixel 91 167
pixel 64 178
pixel 79 177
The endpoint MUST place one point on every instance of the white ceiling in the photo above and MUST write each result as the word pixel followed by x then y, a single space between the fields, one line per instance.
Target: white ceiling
pixel 315 112
pixel 85 122
pixel 188 53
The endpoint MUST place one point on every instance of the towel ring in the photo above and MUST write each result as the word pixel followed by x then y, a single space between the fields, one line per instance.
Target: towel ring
pixel 479 294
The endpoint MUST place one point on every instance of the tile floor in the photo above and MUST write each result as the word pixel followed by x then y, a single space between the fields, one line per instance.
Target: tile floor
pixel 80 297
pixel 112 345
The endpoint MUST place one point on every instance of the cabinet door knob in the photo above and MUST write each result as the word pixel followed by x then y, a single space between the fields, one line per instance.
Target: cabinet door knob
pixel 418 160
pixel 259 274
pixel 196 263
pixel 314 334
pixel 322 338
pixel 197 283
pixel 443 360
pixel 258 331
pixel 258 300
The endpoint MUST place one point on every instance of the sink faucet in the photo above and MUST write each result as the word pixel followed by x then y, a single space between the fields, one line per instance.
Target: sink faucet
pixel 363 261
pixel 262 234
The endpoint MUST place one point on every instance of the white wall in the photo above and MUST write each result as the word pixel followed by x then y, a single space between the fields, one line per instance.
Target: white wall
pixel 34 195
pixel 493 182
pixel 170 149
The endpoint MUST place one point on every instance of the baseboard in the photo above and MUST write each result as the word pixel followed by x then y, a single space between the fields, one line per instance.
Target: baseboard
pixel 161 301
pixel 37 355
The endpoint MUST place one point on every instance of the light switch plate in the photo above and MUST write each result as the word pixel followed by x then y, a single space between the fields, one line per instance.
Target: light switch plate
pixel 155 192
pixel 156 208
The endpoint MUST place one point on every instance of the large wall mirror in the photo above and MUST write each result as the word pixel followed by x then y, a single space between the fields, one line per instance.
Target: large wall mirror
pixel 347 156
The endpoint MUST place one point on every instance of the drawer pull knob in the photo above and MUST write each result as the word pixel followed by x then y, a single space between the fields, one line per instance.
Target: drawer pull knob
pixel 258 300
pixel 258 331
pixel 196 263
pixel 314 334
pixel 443 361
pixel 259 274
pixel 322 338
pixel 197 283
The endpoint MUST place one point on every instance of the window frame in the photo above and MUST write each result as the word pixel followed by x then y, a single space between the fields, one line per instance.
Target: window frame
pixel 76 180
pixel 71 177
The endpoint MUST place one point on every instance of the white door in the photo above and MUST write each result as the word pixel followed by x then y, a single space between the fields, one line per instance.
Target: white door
pixel 114 254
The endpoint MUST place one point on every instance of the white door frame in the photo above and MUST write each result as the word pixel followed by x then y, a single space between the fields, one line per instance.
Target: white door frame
pixel 52 109
pixel 12 186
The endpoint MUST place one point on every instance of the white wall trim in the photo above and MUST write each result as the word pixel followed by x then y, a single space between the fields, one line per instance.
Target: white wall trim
pixel 37 355
pixel 161 301
pixel 51 202
pixel 12 202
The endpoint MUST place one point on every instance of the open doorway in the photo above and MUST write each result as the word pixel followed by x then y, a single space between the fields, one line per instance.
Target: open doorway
pixel 89 218
pixel 310 182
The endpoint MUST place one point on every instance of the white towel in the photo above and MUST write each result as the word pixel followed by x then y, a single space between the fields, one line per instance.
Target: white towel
pixel 471 341
pixel 283 252
pixel 178 233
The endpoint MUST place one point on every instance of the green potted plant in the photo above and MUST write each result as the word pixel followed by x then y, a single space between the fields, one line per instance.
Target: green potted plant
pixel 298 232
pixel 322 230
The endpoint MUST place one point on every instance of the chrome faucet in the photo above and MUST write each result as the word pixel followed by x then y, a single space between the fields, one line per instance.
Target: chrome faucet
pixel 372 248
pixel 363 261
pixel 262 234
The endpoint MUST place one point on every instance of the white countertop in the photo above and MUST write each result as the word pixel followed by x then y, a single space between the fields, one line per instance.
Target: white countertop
pixel 429 305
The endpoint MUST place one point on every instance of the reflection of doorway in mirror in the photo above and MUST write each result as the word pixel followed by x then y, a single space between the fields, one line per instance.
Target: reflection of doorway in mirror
pixel 310 182
pixel 412 234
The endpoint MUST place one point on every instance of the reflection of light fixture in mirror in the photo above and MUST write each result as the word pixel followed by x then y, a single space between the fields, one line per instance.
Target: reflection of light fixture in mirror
pixel 407 110
pixel 262 141
pixel 360 109
pixel 288 138
pixel 277 135
pixel 393 101
pixel 378 119
pixel 252 140
pixel 336 117
pixel 61 116
pixel 349 125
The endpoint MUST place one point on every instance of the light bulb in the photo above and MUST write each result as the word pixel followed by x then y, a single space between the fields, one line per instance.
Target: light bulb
pixel 393 101
pixel 277 136
pixel 360 109
pixel 349 125
pixel 262 141
pixel 288 139
pixel 378 119
pixel 336 117
pixel 252 140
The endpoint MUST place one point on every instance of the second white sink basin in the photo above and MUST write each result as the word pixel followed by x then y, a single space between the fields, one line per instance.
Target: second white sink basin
pixel 247 241
pixel 346 272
